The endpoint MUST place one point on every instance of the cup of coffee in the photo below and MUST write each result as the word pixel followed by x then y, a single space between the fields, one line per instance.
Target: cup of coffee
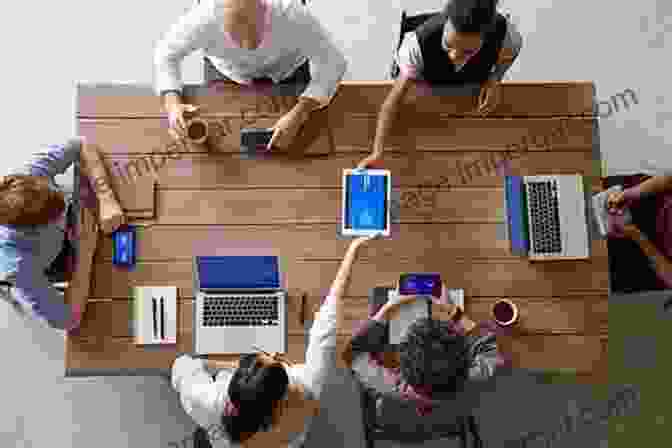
pixel 197 131
pixel 505 312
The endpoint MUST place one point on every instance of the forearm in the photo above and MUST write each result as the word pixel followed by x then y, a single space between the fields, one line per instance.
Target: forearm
pixel 214 364
pixel 94 169
pixel 77 293
pixel 340 282
pixel 663 265
pixel 386 118
pixel 656 184
pixel 171 99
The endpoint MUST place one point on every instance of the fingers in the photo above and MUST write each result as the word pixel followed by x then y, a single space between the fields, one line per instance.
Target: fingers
pixel 274 139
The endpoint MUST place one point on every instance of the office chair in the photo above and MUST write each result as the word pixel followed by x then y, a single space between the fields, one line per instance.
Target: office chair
pixel 407 24
pixel 382 411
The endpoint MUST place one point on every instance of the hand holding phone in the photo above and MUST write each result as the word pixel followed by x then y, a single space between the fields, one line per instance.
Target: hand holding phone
pixel 420 284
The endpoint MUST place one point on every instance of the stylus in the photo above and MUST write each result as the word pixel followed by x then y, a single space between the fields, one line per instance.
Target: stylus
pixel 154 315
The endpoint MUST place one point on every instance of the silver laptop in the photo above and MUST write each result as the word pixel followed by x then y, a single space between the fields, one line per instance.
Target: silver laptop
pixel 556 214
pixel 240 302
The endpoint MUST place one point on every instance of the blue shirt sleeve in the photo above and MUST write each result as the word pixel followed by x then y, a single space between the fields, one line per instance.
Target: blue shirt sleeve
pixel 52 160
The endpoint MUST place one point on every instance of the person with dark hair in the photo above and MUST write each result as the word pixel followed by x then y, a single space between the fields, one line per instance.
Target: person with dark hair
pixel 265 400
pixel 253 42
pixel 468 43
pixel 435 359
pixel 33 231
pixel 640 253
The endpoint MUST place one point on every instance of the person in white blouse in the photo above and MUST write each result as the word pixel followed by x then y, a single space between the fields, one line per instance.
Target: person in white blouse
pixel 248 41
pixel 265 400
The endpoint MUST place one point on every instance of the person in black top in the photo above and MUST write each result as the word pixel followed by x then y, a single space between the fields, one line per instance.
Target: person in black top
pixel 468 42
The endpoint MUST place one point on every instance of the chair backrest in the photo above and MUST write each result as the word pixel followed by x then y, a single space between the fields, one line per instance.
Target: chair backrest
pixel 390 416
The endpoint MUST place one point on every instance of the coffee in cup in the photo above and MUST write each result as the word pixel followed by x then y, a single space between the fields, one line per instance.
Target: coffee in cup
pixel 505 312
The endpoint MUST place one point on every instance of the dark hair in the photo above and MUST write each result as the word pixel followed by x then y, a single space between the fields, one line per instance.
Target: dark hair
pixel 433 354
pixel 471 16
pixel 254 389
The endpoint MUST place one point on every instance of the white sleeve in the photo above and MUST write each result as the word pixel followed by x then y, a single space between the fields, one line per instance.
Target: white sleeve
pixel 321 352
pixel 196 389
pixel 327 63
pixel 191 32
pixel 409 56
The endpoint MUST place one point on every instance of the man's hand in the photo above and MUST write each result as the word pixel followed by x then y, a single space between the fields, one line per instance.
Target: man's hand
pixel 368 162
pixel 111 216
pixel 285 130
pixel 176 112
pixel 489 98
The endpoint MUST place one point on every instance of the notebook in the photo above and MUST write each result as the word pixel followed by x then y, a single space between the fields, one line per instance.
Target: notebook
pixel 155 315
pixel 240 302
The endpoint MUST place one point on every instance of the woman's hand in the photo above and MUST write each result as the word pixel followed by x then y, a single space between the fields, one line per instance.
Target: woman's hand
pixel 632 231
pixel 368 162
pixel 357 242
pixel 489 97
pixel 616 202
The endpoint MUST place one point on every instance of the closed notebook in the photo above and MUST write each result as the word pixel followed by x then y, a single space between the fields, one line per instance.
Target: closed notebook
pixel 366 203
pixel 152 322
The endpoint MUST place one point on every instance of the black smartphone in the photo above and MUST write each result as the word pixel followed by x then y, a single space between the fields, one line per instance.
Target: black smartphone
pixel 255 139
pixel 420 284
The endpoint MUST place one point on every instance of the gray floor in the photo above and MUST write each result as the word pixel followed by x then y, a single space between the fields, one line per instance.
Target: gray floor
pixel 617 45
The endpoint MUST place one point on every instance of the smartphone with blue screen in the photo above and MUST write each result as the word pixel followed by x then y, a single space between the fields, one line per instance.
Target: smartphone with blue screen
pixel 420 284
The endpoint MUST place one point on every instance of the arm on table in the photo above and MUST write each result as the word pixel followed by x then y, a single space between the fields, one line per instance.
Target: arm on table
pixel 653 185
pixel 388 113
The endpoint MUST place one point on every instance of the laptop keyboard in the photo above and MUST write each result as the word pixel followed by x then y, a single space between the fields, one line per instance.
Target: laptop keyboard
pixel 255 311
pixel 543 206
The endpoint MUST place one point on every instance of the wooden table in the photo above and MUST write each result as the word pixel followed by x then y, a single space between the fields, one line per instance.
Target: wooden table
pixel 209 201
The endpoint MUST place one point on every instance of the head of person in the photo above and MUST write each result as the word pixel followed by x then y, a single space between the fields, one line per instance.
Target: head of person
pixel 467 21
pixel 434 357
pixel 256 388
pixel 29 201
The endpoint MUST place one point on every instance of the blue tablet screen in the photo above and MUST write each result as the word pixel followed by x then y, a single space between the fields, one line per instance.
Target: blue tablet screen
pixel 366 204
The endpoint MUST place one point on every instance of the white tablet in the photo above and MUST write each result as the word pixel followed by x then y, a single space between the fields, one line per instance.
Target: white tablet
pixel 366 202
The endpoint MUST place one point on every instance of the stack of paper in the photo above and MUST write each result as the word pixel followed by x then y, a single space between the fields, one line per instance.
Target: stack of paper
pixel 155 314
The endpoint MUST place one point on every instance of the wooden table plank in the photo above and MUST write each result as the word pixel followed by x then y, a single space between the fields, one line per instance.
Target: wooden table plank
pixel 523 99
pixel 195 171
pixel 478 277
pixel 112 317
pixel 356 133
pixel 107 355
pixel 412 241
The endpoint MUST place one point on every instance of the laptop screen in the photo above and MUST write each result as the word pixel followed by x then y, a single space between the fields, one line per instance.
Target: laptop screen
pixel 238 272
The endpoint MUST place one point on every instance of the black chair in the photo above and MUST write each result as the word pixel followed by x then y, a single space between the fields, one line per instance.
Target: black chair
pixel 382 411
pixel 407 24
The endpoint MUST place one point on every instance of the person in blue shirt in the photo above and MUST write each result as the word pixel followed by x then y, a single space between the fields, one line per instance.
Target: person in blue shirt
pixel 33 231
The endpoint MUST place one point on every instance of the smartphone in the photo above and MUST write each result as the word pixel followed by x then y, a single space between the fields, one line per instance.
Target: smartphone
pixel 124 246
pixel 420 284
pixel 255 139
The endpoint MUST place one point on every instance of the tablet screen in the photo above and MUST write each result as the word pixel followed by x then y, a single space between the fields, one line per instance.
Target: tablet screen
pixel 366 202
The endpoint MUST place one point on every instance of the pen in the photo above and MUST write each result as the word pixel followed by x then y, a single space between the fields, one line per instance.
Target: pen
pixel 163 321
pixel 154 315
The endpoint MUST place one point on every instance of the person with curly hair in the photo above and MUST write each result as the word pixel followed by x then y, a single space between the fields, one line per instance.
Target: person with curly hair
pixel 33 231
pixel 640 253
pixel 264 400
pixel 435 359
